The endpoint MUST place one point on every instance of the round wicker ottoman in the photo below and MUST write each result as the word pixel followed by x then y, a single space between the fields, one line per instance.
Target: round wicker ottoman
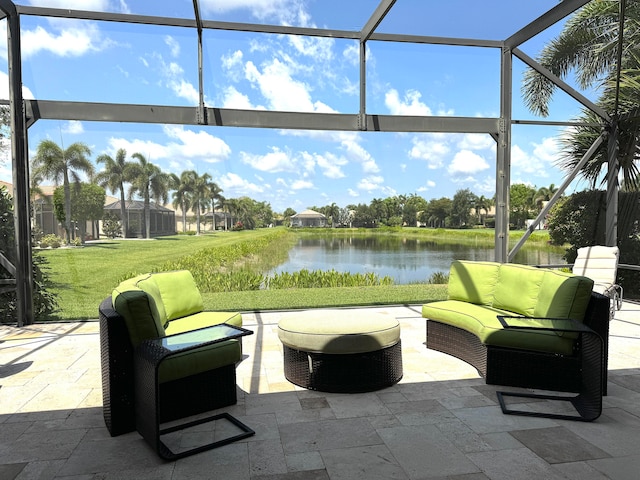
pixel 341 350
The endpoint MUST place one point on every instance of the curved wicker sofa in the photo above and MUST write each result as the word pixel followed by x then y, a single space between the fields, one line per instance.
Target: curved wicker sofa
pixel 153 306
pixel 466 325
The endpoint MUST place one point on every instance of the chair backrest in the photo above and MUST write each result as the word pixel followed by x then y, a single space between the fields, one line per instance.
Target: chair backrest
pixel 599 264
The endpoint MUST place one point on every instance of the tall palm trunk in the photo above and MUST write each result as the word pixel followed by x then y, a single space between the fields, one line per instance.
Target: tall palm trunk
pixel 123 213
pixel 67 205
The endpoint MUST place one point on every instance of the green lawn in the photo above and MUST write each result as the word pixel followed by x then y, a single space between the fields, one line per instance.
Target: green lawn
pixel 83 276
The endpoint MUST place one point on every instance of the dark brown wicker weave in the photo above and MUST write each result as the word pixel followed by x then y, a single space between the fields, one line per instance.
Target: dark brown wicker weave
pixel 523 368
pixel 345 373
pixel 183 397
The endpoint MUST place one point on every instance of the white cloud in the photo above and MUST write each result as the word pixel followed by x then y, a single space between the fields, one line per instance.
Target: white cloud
pixel 330 165
pixel 281 90
pixel 429 148
pixel 234 185
pixel 73 127
pixel 173 75
pixel 232 65
pixel 200 145
pixel 274 161
pixel 285 11
pixel 371 183
pixel 4 88
pixel 548 151
pixel 301 185
pixel 357 152
pixel 427 186
pixel 189 145
pixel 466 163
pixel 232 98
pixel 477 141
pixel 173 45
pixel 319 48
pixel 91 5
pixel 409 105
pixel 352 192
pixel 71 39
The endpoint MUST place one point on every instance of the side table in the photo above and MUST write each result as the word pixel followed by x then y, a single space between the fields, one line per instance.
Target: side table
pixel 148 357
pixel 588 402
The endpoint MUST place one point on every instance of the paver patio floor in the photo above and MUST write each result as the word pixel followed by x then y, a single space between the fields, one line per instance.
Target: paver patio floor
pixel 440 421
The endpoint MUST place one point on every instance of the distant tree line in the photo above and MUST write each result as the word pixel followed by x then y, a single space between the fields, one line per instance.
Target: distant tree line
pixel 464 210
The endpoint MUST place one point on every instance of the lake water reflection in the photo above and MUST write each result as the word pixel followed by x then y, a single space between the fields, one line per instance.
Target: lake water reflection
pixel 405 260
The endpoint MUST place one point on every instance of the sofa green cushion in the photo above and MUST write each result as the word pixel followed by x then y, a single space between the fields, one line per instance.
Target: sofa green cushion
pixel 148 285
pixel 201 320
pixel 473 282
pixel 134 306
pixel 199 360
pixel 563 295
pixel 176 291
pixel 517 288
pixel 483 322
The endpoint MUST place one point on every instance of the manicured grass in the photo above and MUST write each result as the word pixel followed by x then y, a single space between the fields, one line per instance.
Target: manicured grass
pixel 82 277
pixel 324 297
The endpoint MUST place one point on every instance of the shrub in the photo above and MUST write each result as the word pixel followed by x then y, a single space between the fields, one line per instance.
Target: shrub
pixel 111 226
pixel 50 240
pixel 438 278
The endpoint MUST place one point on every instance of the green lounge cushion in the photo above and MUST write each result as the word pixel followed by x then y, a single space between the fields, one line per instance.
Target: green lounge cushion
pixel 135 307
pixel 518 288
pixel 473 282
pixel 563 295
pixel 199 360
pixel 483 322
pixel 339 331
pixel 176 292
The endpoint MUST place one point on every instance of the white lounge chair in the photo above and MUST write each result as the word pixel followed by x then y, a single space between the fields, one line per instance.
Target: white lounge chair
pixel 601 265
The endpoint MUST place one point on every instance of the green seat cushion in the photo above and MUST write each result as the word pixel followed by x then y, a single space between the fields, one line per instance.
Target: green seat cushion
pixel 518 288
pixel 339 331
pixel 134 305
pixel 176 291
pixel 199 360
pixel 202 319
pixel 483 322
pixel 473 282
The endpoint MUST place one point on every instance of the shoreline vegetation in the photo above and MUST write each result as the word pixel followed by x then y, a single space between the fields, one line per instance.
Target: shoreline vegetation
pixel 229 270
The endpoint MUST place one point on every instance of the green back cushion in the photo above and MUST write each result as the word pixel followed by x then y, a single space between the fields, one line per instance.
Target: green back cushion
pixel 473 282
pixel 517 288
pixel 563 295
pixel 177 293
pixel 134 305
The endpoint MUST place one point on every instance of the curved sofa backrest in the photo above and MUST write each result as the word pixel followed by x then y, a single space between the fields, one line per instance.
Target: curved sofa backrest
pixel 521 289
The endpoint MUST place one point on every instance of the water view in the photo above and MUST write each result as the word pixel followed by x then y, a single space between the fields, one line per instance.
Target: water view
pixel 403 259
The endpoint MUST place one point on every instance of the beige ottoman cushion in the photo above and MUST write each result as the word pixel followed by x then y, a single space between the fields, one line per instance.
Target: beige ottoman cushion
pixel 339 331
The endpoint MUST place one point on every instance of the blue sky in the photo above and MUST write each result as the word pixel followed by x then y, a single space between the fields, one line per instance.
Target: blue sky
pixel 110 62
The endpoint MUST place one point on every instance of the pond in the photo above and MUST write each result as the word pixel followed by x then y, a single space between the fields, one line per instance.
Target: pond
pixel 406 260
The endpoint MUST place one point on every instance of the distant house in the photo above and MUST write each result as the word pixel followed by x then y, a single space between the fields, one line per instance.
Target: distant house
pixel 163 220
pixel 308 218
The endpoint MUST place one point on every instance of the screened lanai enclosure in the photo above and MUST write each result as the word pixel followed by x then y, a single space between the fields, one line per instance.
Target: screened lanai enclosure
pixel 77 72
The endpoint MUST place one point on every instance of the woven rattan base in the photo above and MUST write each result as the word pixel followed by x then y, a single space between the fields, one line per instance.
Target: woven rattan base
pixel 346 373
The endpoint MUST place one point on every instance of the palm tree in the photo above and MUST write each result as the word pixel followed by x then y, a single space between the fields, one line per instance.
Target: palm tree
pixel 199 196
pixel 544 194
pixel 57 164
pixel 113 177
pixel 181 187
pixel 148 181
pixel 588 46
pixel 216 199
pixel 333 211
